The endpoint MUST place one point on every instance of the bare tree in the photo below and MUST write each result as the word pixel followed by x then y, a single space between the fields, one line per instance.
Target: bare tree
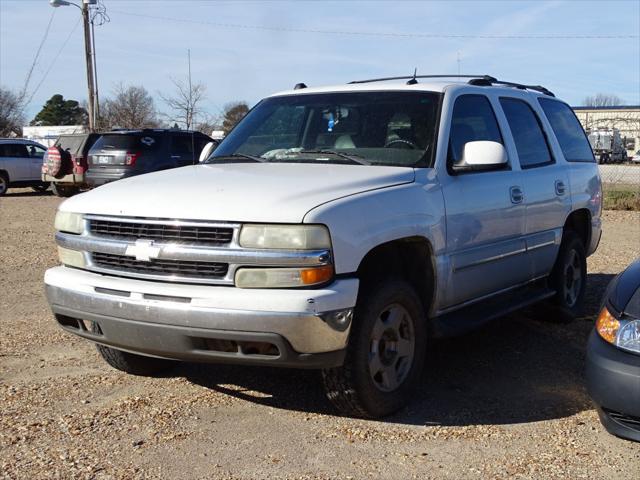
pixel 208 123
pixel 185 103
pixel 130 107
pixel 11 117
pixel 603 100
pixel 233 113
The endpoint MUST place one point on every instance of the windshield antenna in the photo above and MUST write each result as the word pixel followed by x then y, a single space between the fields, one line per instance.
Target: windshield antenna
pixel 413 81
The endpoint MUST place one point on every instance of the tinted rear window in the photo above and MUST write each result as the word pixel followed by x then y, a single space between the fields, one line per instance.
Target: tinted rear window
pixel 531 144
pixel 128 142
pixel 71 144
pixel 565 125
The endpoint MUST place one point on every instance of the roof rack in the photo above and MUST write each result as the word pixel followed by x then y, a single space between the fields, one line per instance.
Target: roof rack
pixel 411 77
pixel 478 80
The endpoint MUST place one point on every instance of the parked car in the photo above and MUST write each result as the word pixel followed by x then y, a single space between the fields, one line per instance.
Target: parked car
pixel 636 157
pixel 65 163
pixel 20 162
pixel 338 228
pixel 613 356
pixel 126 153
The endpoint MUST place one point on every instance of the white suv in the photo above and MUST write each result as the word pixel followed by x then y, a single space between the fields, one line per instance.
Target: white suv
pixel 20 164
pixel 338 228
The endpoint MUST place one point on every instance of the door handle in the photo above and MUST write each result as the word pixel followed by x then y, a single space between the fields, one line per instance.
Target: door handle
pixel 516 194
pixel 175 156
pixel 560 187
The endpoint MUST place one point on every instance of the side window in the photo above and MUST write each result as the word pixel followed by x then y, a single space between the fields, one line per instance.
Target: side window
pixel 571 137
pixel 15 150
pixel 36 151
pixel 181 144
pixel 531 143
pixel 472 119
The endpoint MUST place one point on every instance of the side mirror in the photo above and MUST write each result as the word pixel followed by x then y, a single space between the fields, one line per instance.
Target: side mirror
pixel 206 151
pixel 482 155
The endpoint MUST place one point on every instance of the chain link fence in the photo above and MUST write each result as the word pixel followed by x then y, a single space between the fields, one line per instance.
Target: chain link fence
pixel 621 186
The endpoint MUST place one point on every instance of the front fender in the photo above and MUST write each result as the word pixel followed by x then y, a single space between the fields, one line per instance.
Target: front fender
pixel 359 223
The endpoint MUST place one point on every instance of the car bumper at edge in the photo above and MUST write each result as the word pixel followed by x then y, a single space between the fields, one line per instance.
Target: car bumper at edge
pixel 177 321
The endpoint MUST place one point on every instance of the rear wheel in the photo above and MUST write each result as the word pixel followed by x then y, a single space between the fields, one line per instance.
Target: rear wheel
pixel 64 190
pixel 385 353
pixel 4 183
pixel 43 187
pixel 569 279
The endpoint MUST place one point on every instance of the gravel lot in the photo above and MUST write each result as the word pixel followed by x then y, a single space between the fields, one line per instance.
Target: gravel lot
pixel 507 401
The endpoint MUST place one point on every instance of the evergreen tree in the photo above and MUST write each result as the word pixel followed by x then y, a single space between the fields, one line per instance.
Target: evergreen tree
pixel 58 111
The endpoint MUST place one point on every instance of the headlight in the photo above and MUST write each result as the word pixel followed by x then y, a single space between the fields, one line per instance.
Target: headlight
pixel 72 258
pixel 283 277
pixel 624 334
pixel 296 237
pixel 69 222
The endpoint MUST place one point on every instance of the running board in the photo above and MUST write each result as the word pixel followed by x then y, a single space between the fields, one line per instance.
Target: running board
pixel 473 316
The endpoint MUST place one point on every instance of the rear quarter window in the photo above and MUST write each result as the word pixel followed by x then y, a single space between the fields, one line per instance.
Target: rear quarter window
pixel 567 129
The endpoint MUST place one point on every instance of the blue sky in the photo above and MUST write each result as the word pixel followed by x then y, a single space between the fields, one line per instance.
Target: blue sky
pixel 249 63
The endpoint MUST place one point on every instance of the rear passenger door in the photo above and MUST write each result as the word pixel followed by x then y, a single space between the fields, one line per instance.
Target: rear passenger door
pixel 485 211
pixel 181 149
pixel 17 162
pixel 545 182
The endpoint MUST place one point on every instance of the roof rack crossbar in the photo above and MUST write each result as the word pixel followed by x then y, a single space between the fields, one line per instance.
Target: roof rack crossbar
pixel 408 77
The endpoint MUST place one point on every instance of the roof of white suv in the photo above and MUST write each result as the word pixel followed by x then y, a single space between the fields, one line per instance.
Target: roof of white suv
pixel 432 83
pixel 21 141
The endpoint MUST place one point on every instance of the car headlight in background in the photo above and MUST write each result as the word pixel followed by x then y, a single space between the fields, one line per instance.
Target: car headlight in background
pixel 69 222
pixel 296 237
pixel 621 333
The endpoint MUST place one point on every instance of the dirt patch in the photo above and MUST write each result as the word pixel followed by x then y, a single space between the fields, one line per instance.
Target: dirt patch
pixel 507 401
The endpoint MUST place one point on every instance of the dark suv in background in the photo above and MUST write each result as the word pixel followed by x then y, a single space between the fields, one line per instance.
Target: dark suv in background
pixel 126 153
pixel 65 163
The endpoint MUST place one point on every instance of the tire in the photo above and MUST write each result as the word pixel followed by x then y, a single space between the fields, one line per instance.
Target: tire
pixel 132 363
pixel 569 279
pixel 373 344
pixel 64 190
pixel 4 183
pixel 41 188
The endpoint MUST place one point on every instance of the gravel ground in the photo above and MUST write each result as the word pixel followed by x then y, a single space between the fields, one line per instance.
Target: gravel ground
pixel 507 401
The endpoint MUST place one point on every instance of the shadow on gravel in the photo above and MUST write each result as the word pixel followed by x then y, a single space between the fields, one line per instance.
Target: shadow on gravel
pixel 46 193
pixel 517 369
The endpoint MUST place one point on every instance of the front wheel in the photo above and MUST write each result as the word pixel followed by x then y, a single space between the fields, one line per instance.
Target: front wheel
pixel 132 363
pixel 4 184
pixel 385 353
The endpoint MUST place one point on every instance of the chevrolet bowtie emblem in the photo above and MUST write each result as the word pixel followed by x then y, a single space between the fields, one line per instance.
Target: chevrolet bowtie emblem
pixel 143 250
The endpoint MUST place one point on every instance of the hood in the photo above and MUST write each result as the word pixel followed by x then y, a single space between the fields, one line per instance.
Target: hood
pixel 240 192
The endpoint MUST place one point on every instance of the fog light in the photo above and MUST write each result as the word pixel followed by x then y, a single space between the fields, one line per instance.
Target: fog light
pixel 339 319
pixel 72 258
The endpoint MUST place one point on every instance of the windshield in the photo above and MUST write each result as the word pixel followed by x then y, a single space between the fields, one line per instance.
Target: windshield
pixel 368 128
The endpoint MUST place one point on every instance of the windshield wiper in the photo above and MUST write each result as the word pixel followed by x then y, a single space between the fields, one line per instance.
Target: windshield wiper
pixel 353 158
pixel 234 157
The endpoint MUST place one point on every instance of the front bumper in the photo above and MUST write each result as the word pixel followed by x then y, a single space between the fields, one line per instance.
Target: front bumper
pixel 185 322
pixel 613 382
pixel 95 178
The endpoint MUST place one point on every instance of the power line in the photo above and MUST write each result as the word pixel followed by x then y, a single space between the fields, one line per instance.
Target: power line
pixel 27 80
pixel 559 36
pixel 53 62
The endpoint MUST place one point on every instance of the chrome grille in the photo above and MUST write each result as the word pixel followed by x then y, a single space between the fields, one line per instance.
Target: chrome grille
pixel 162 232
pixel 179 268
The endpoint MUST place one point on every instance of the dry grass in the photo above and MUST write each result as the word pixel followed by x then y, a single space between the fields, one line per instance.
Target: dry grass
pixel 621 197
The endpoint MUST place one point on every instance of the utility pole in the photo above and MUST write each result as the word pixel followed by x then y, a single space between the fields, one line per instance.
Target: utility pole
pixel 89 60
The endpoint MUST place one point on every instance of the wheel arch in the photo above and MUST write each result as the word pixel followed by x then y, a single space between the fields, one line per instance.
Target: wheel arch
pixel 579 221
pixel 410 258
